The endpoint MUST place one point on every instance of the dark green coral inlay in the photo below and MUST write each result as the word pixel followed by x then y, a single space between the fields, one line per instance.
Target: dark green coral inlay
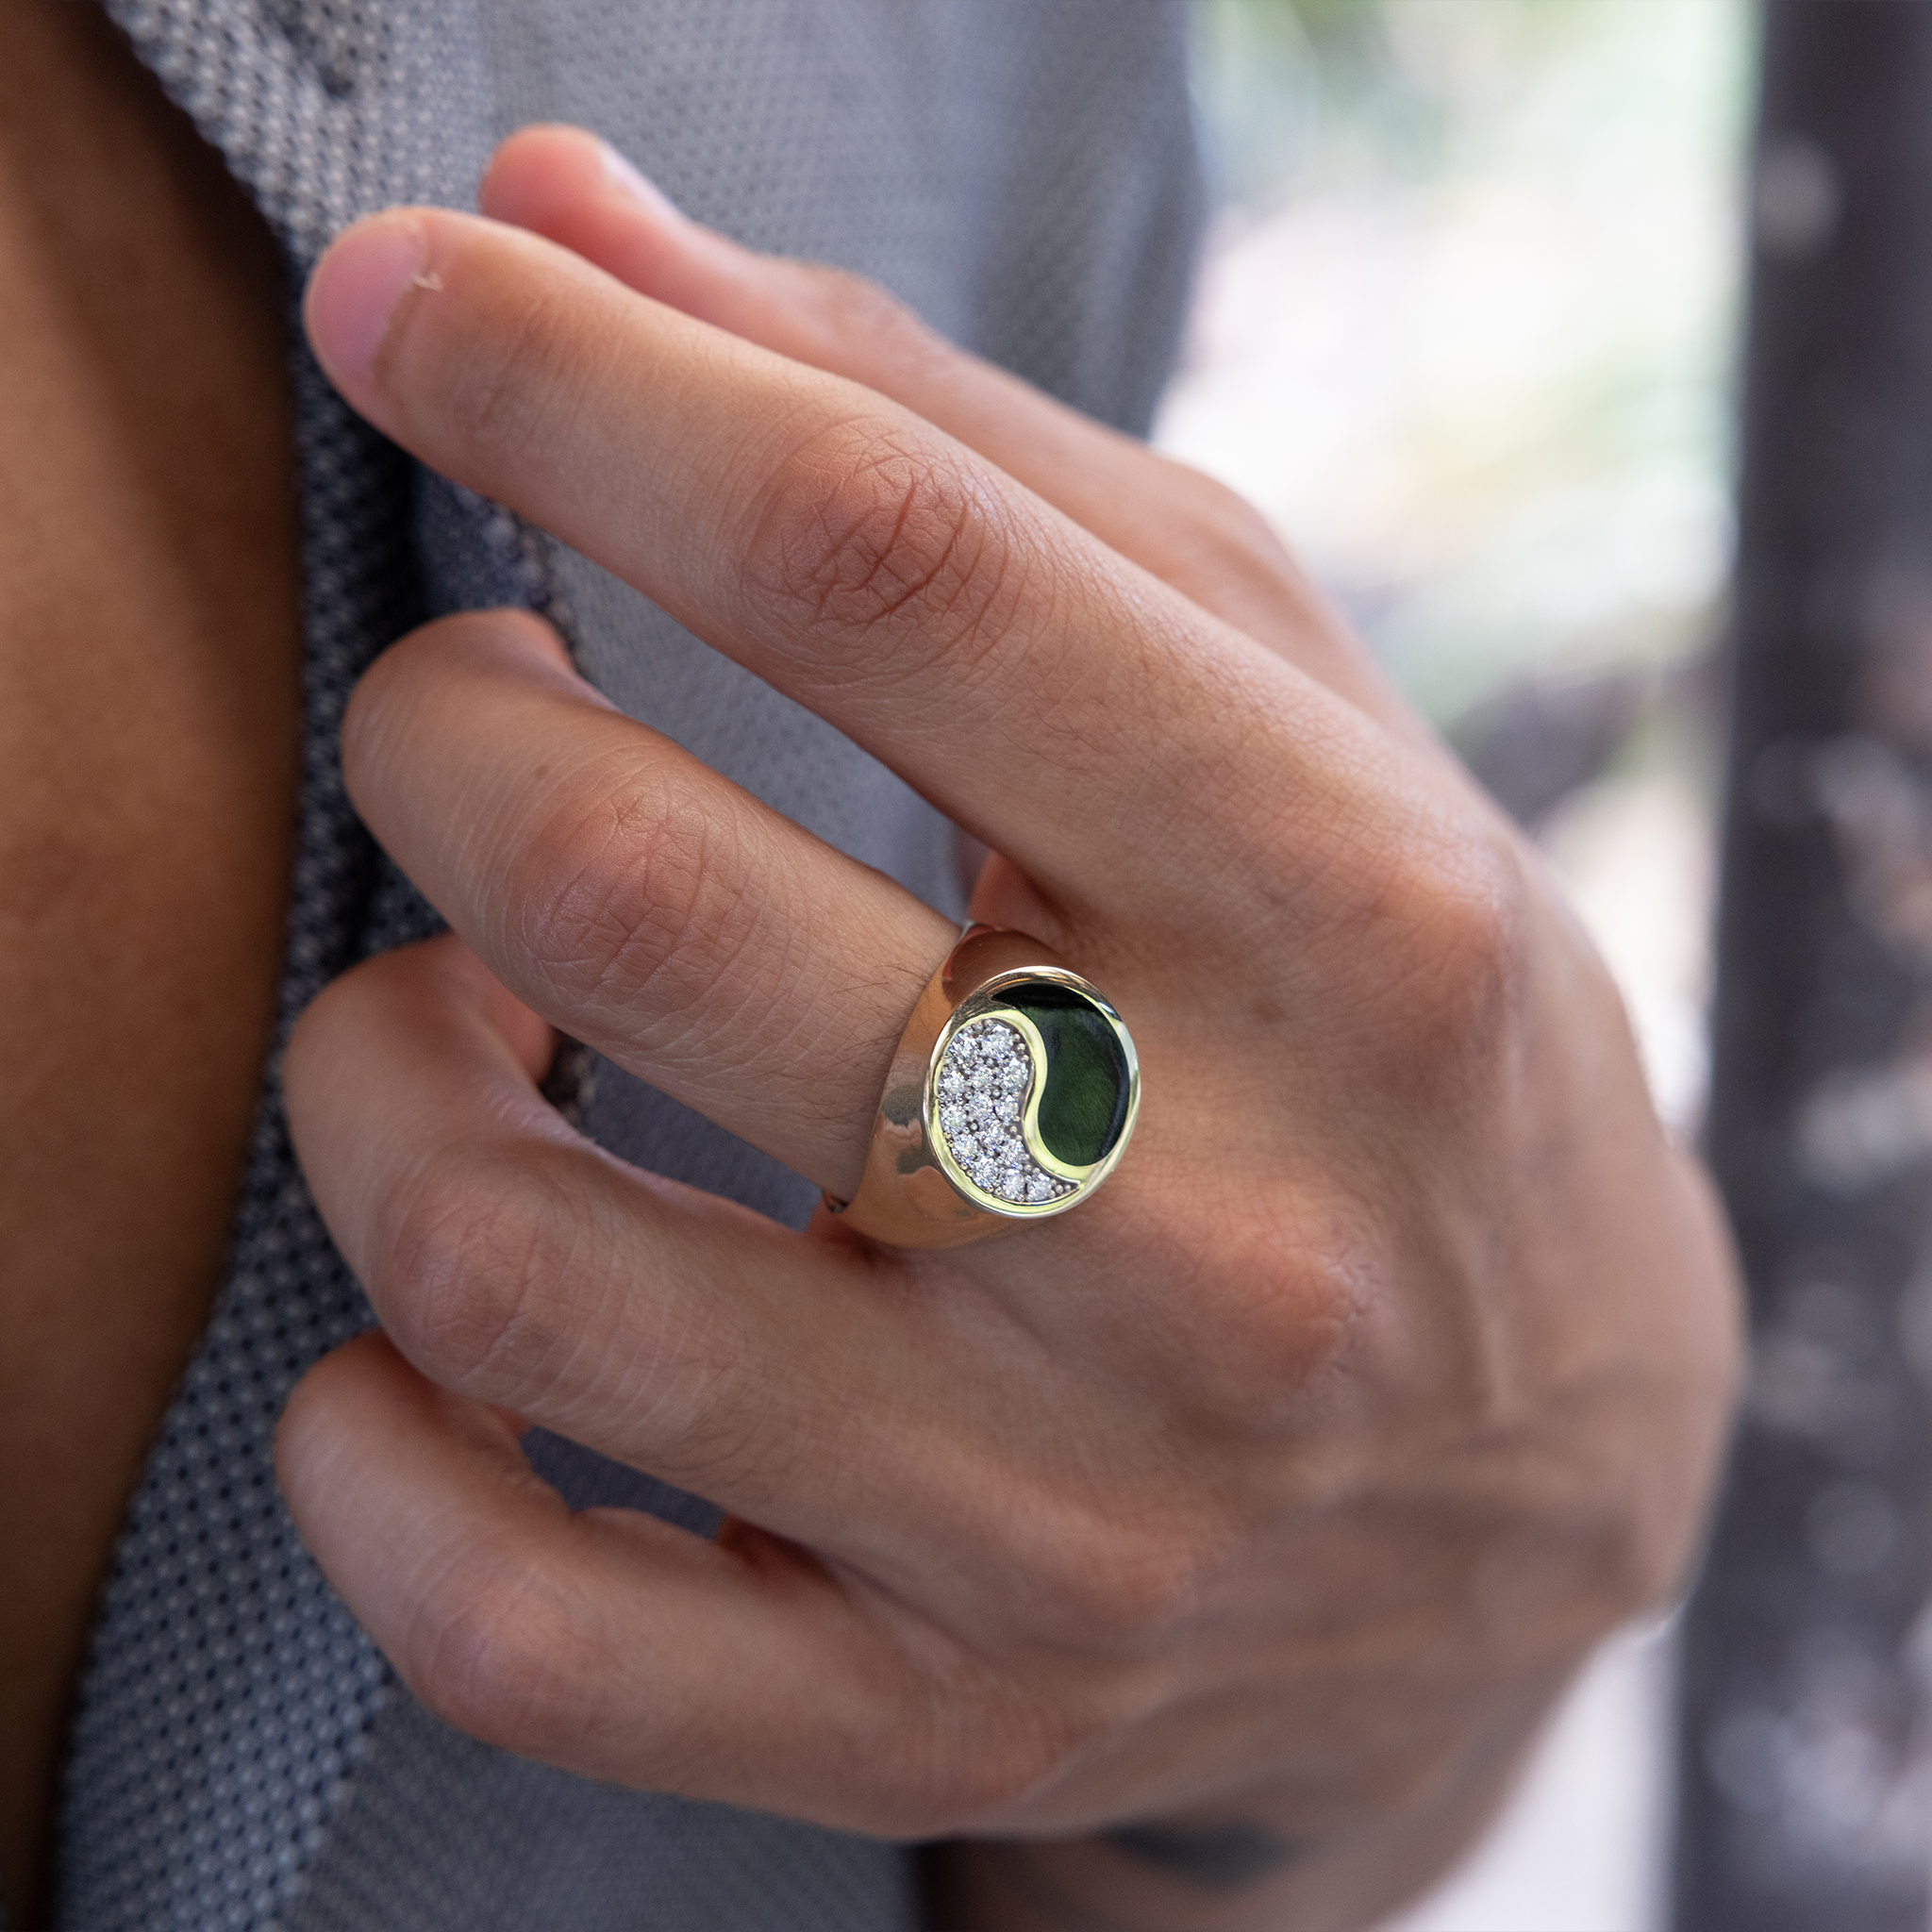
pixel 1083 1104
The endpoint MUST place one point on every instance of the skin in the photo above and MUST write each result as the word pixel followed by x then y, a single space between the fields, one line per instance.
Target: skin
pixel 147 729
pixel 148 649
pixel 1202 1559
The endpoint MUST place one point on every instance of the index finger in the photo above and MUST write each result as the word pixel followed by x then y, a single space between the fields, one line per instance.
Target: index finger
pixel 1021 675
pixel 1193 533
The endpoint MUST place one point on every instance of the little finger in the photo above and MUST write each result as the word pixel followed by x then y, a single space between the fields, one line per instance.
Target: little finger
pixel 606 1642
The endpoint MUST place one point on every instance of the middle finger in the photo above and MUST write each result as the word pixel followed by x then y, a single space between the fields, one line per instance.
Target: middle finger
pixel 633 896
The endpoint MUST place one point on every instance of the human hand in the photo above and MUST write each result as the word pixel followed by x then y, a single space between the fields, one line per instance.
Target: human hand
pixel 1202 1557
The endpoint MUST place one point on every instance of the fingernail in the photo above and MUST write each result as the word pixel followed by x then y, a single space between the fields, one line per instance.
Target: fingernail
pixel 620 172
pixel 356 286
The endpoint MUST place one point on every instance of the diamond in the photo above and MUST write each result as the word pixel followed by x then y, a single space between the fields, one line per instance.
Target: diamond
pixel 985 1076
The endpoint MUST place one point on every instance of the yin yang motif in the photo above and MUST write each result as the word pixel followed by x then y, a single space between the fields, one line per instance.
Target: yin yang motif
pixel 1031 1096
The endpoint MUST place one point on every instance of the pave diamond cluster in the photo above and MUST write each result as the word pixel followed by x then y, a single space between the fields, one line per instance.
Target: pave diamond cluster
pixel 983 1085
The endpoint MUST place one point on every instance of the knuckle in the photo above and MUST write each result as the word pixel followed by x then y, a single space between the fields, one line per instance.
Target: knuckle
pixel 461 1268
pixel 491 1651
pixel 503 1274
pixel 1122 1579
pixel 632 902
pixel 858 528
pixel 1144 1582
pixel 1276 1280
pixel 1289 1284
pixel 1455 919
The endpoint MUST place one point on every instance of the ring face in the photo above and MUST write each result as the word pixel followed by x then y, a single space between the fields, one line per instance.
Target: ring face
pixel 1010 1097
pixel 1031 1092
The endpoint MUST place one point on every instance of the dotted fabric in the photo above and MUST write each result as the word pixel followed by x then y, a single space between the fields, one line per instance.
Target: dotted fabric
pixel 1023 173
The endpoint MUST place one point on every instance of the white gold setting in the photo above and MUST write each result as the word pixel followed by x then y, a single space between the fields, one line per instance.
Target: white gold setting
pixel 985 1088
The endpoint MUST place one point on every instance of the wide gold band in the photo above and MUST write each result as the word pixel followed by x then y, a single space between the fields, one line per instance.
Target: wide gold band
pixel 1011 1097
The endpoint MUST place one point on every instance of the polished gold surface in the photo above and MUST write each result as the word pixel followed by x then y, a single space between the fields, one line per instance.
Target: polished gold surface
pixel 914 1193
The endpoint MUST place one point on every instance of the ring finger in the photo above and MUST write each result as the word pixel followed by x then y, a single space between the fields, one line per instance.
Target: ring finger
pixel 516 1265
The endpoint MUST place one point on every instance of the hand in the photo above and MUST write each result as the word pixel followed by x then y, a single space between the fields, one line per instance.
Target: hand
pixel 1204 1556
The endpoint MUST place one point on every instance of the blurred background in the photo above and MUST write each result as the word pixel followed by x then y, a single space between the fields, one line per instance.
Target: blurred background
pixel 1467 332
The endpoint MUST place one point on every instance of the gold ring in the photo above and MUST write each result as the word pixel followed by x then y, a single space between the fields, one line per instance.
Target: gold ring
pixel 1011 1098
